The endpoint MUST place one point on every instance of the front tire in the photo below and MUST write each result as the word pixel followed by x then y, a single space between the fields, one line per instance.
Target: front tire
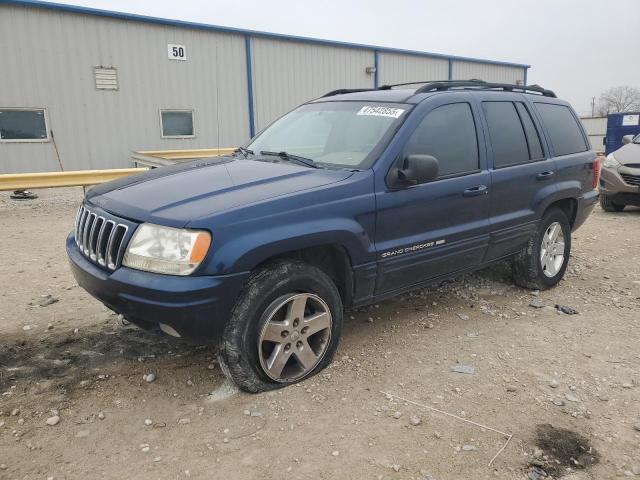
pixel 285 327
pixel 543 262
pixel 608 205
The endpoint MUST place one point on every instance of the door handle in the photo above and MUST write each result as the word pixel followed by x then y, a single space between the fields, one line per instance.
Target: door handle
pixel 475 191
pixel 545 175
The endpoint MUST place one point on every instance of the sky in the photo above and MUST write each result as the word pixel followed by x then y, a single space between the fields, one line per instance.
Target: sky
pixel 578 48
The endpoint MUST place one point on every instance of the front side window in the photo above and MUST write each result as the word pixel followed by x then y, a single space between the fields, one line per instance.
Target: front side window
pixel 447 133
pixel 23 125
pixel 176 123
pixel 564 132
pixel 341 134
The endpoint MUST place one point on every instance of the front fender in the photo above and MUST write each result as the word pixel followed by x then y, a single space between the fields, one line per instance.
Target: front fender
pixel 252 249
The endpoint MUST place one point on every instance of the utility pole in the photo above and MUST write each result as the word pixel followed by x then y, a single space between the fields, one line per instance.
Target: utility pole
pixel 593 106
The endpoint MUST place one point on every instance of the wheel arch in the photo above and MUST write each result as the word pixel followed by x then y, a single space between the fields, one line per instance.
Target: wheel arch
pixel 332 258
pixel 568 205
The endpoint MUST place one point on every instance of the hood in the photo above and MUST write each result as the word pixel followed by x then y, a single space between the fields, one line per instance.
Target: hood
pixel 629 155
pixel 177 194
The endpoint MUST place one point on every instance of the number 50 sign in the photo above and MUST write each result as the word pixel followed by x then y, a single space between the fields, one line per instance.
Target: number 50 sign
pixel 176 52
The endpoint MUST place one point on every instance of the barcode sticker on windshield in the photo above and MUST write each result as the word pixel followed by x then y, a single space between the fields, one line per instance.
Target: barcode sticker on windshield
pixel 381 111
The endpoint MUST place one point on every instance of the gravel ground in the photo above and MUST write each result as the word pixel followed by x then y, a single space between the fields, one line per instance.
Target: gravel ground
pixel 74 403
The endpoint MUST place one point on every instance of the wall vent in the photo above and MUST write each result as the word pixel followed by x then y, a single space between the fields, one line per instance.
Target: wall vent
pixel 106 78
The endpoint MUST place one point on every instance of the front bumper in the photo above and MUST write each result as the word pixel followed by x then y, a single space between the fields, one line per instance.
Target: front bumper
pixel 197 307
pixel 586 202
pixel 612 183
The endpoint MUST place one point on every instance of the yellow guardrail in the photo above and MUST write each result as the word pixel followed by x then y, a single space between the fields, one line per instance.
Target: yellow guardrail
pixel 180 154
pixel 80 178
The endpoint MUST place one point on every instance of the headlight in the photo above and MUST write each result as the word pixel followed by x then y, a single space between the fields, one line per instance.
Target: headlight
pixel 611 162
pixel 172 251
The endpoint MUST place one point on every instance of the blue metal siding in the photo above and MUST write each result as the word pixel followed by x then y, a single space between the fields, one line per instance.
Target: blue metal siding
pixel 615 131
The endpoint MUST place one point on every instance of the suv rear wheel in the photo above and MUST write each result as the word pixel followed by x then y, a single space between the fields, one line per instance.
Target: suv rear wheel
pixel 285 327
pixel 542 263
pixel 608 205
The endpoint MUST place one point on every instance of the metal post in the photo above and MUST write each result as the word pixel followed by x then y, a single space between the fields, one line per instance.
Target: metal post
pixel 249 60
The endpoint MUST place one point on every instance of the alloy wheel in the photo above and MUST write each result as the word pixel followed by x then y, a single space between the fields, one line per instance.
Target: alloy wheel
pixel 295 336
pixel 552 250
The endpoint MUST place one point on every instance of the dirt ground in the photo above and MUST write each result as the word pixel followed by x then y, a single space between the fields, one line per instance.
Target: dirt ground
pixel 73 358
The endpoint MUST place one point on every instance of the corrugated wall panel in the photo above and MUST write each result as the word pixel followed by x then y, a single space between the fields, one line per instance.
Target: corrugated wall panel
pixel 288 73
pixel 596 128
pixel 463 70
pixel 398 68
pixel 99 128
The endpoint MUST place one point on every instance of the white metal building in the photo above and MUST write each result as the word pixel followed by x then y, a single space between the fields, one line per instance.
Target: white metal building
pixel 87 86
pixel 596 128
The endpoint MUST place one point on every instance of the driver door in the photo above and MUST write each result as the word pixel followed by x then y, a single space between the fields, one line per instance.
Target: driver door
pixel 429 230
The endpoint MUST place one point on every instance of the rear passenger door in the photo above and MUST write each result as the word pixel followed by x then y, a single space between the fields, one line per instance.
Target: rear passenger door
pixel 569 146
pixel 522 172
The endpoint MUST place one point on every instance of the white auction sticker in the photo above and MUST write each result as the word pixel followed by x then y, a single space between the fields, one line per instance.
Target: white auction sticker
pixel 381 111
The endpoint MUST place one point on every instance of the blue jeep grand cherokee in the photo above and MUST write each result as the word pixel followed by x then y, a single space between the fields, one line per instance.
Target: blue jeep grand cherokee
pixel 346 200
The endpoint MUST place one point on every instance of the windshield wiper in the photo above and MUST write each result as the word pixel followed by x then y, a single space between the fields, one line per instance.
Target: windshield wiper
pixel 244 151
pixel 295 158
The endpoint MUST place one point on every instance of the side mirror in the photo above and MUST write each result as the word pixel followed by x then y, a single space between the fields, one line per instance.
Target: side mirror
pixel 418 169
pixel 627 139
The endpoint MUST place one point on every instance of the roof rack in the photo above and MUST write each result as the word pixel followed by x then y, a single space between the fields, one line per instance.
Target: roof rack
pixel 480 84
pixel 441 85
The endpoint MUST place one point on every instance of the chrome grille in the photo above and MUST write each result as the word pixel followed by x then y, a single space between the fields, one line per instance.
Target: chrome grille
pixel 631 179
pixel 100 239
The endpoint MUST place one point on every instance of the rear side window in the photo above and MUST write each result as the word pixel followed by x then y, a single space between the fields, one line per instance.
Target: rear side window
pixel 564 131
pixel 507 134
pixel 449 134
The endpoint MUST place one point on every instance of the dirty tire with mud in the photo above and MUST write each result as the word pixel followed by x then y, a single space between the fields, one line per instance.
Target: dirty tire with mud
pixel 239 354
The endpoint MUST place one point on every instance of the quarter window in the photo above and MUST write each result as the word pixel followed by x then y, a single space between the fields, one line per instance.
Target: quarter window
pixel 176 123
pixel 23 125
pixel 533 138
pixel 564 132
pixel 447 133
pixel 508 139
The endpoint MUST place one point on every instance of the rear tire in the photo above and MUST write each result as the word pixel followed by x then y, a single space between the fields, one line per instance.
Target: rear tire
pixel 267 327
pixel 543 262
pixel 608 205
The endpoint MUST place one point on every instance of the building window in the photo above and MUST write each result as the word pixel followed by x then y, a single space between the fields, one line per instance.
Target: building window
pixel 23 125
pixel 177 123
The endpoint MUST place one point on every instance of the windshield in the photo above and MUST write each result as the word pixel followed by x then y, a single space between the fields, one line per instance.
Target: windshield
pixel 341 134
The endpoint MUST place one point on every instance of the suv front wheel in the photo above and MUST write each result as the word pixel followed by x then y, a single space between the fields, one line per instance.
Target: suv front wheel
pixel 284 327
pixel 542 263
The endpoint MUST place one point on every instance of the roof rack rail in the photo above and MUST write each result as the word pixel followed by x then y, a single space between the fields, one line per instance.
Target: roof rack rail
pixel 391 85
pixel 342 91
pixel 508 87
pixel 441 85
